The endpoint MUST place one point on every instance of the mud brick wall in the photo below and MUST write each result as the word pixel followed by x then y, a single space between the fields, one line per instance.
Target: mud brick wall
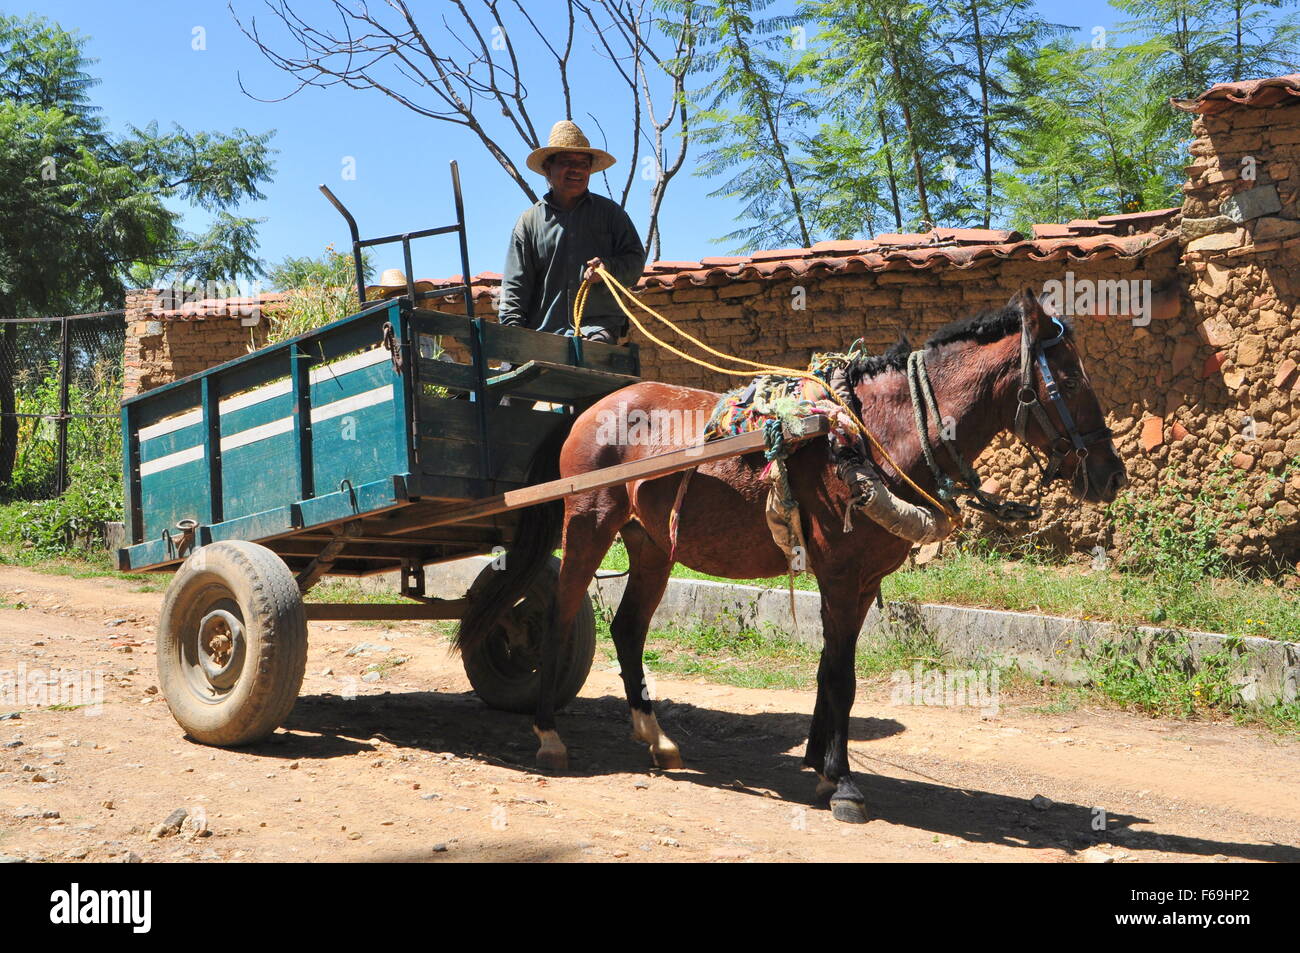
pixel 165 345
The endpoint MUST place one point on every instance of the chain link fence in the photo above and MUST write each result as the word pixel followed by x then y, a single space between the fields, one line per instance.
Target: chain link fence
pixel 60 390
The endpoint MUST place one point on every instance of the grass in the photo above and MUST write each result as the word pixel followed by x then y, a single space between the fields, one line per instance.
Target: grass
pixel 344 590
pixel 730 652
pixel 1237 605
pixel 740 657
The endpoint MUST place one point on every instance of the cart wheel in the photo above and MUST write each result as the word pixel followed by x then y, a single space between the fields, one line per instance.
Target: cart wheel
pixel 503 668
pixel 232 643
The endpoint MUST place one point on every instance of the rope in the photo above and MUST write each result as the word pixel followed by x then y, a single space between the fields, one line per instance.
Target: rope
pixel 923 403
pixel 620 293
pixel 774 436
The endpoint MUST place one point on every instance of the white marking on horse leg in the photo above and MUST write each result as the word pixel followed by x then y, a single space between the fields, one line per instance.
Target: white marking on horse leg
pixel 551 754
pixel 645 727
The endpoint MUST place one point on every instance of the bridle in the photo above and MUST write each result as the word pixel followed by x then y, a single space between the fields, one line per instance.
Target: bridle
pixel 1061 444
pixel 1033 355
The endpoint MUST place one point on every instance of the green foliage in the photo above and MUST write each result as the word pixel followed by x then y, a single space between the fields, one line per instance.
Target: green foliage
pixel 1086 150
pixel 93 392
pixel 1174 532
pixel 747 116
pixel 1161 677
pixel 905 115
pixel 73 520
pixel 94 492
pixel 83 211
pixel 319 290
pixel 79 206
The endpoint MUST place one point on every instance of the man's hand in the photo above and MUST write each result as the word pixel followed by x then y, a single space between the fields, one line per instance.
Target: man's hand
pixel 590 274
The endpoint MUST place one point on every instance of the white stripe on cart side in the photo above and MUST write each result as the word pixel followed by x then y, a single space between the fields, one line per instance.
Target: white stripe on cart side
pixel 369 398
pixel 267 392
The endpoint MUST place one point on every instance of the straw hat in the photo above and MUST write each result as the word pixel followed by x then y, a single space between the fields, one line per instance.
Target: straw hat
pixel 567 137
pixel 392 283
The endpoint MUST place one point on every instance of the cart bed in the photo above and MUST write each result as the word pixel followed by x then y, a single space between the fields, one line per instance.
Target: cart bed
pixel 362 420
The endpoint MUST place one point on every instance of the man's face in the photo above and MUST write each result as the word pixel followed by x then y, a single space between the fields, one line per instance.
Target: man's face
pixel 567 173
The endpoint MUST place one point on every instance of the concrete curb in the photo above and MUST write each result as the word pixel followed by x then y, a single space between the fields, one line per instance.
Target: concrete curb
pixel 1040 645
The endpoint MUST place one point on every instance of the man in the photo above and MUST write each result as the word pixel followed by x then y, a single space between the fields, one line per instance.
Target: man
pixel 562 240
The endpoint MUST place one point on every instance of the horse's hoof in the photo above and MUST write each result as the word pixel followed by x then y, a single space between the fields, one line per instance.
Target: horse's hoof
pixel 548 759
pixel 850 812
pixel 552 755
pixel 667 758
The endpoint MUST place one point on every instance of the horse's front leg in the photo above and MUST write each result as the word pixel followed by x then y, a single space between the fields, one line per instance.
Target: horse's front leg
pixel 649 569
pixel 590 525
pixel 828 737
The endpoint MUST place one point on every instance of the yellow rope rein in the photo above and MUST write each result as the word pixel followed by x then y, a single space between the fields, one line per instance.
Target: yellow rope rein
pixel 620 293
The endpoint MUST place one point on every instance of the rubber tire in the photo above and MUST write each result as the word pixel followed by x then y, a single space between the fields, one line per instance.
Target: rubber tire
pixel 518 694
pixel 266 599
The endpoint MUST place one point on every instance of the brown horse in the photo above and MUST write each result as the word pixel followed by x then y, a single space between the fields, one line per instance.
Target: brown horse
pixel 980 370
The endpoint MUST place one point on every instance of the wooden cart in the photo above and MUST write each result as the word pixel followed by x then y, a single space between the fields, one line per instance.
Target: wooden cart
pixel 357 448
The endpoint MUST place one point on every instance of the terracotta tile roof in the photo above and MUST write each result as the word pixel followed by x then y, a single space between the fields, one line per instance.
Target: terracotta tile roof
pixel 1124 236
pixel 1260 93
pixel 217 307
pixel 1110 236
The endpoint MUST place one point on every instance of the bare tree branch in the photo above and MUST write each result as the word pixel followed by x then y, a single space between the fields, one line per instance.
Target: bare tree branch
pixel 466 71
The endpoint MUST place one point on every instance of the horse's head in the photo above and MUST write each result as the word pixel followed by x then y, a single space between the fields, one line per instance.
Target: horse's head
pixel 1058 410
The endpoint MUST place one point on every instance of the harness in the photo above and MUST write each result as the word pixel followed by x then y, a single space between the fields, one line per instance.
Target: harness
pixel 1062 444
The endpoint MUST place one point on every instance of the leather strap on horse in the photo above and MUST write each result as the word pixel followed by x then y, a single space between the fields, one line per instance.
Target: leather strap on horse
pixel 674 516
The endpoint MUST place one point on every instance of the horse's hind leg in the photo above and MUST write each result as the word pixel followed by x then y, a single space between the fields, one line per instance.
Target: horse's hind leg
pixel 647 579
pixel 590 524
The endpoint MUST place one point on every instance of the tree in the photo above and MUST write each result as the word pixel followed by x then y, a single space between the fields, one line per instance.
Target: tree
pixel 464 69
pixel 80 208
pixel 1086 149
pixel 317 291
pixel 751 113
pixel 1098 136
pixel 979 36
pixel 892 50
pixel 1185 46
pixel 1262 46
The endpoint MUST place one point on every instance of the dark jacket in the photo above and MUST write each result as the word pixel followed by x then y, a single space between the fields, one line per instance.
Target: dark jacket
pixel 548 253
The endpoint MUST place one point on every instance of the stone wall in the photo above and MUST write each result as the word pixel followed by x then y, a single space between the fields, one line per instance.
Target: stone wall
pixel 1242 236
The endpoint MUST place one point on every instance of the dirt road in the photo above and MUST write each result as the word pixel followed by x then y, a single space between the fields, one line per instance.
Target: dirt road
pixel 412 766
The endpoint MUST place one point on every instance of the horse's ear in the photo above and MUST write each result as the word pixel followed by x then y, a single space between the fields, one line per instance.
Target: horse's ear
pixel 1031 312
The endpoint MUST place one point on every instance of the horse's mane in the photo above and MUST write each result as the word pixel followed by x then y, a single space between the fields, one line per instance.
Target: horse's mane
pixel 984 327
pixel 870 365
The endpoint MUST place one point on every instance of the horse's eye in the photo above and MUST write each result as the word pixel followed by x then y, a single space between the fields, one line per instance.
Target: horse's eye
pixel 1070 385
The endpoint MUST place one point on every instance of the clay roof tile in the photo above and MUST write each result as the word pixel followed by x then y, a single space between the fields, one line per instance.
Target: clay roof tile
pixel 1257 93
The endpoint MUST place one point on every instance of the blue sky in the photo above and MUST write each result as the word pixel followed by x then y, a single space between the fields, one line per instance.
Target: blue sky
pixel 149 71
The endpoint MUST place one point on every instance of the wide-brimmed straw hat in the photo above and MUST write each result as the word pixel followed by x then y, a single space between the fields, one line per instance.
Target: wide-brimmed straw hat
pixel 392 283
pixel 567 137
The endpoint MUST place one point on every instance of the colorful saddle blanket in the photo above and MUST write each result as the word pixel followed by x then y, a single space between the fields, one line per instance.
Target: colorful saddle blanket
pixel 772 397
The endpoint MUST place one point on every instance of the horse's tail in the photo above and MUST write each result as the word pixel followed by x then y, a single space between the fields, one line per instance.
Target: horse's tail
pixel 537 536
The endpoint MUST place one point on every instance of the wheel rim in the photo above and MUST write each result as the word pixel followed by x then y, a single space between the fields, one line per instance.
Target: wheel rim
pixel 214 649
